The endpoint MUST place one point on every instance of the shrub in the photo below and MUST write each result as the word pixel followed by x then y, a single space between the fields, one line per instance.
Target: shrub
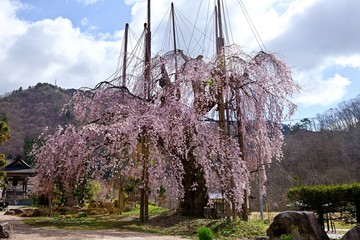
pixel 287 237
pixel 81 215
pixel 327 199
pixel 205 233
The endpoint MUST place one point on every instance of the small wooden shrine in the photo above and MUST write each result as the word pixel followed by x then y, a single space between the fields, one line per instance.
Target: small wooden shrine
pixel 17 180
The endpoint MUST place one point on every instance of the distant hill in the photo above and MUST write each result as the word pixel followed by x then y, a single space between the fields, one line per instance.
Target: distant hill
pixel 29 111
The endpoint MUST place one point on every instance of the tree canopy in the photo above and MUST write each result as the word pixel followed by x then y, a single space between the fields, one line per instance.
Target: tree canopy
pixel 4 132
pixel 4 135
pixel 126 132
pixel 327 199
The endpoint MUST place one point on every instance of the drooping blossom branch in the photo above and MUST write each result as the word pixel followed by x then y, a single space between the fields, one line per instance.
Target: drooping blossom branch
pixel 113 120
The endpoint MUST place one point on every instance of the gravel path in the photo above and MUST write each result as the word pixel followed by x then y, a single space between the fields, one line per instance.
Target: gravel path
pixel 22 231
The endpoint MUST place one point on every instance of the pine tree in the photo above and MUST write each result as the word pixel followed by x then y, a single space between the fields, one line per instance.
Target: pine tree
pixel 4 135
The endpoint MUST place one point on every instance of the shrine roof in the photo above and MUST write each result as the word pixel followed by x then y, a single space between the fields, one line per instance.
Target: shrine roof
pixel 18 167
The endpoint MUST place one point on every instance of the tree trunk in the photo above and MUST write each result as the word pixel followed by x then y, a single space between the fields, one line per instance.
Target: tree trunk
pixel 121 197
pixel 320 212
pixel 195 199
pixel 50 205
pixel 357 209
pixel 244 208
pixel 144 201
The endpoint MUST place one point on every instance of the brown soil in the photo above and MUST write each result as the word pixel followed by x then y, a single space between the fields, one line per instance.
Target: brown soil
pixel 22 231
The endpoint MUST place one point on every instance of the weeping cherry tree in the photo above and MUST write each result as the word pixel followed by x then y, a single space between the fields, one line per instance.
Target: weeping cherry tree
pixel 163 138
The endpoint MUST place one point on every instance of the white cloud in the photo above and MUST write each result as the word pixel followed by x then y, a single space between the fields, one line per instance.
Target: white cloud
pixel 286 26
pixel 313 36
pixel 9 24
pixel 51 49
pixel 91 28
pixel 130 2
pixel 349 61
pixel 84 21
pixel 310 35
pixel 320 36
pixel 89 2
pixel 317 91
pixel 201 13
pixel 322 30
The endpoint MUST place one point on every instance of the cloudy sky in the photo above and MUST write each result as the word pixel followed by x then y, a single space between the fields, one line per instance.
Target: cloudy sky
pixel 76 43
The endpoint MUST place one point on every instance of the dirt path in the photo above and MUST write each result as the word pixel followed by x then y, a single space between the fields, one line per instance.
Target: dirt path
pixel 22 231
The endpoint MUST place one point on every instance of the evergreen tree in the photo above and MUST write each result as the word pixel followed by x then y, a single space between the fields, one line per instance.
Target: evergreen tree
pixel 28 145
pixel 4 135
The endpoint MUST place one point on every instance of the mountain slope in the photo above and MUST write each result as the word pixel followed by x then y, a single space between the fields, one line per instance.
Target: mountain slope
pixel 29 111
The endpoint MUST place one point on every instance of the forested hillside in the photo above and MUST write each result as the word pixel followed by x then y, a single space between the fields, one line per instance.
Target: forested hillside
pixel 28 112
pixel 320 151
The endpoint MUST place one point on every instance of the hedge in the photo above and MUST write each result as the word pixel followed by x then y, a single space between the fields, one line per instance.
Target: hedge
pixel 327 199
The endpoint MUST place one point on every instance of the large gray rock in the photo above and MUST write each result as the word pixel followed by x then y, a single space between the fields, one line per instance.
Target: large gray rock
pixel 302 225
pixel 19 211
pixel 9 212
pixel 352 234
pixel 5 230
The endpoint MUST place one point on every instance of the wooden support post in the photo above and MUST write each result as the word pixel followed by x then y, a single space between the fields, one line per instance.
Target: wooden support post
pixel 121 197
pixel 125 55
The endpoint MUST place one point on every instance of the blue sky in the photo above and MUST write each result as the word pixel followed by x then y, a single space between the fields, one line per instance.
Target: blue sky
pixel 105 16
pixel 76 43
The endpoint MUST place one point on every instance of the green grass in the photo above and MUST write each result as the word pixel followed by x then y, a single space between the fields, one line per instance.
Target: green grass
pixel 162 221
pixel 342 225
pixel 238 229
pixel 153 210
pixel 95 223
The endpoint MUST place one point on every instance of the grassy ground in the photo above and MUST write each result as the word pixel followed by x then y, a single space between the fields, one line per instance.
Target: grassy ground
pixel 162 221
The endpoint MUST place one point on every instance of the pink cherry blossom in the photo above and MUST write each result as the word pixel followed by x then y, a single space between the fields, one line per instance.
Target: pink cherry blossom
pixel 116 125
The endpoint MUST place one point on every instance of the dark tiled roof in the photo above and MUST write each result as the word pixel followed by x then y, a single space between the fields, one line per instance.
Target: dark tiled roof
pixel 18 167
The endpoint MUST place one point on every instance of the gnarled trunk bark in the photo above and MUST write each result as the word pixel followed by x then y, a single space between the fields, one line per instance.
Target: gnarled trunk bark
pixel 195 198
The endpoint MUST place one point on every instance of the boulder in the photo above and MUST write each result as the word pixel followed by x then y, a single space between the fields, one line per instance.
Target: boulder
pixel 9 212
pixel 109 206
pixel 352 234
pixel 18 211
pixel 28 212
pixel 97 211
pixel 93 205
pixel 40 212
pixel 5 230
pixel 301 225
pixel 63 210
